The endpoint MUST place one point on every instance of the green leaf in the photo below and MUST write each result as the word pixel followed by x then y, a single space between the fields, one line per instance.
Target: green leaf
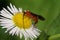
pixel 43 36
pixel 49 9
pixel 54 26
pixel 55 37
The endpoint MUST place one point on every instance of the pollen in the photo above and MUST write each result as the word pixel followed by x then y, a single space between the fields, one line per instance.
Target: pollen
pixel 22 21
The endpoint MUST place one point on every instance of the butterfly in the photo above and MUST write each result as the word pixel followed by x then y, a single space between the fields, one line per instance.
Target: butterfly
pixel 33 16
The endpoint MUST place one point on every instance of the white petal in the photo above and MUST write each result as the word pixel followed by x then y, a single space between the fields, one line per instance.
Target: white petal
pixel 6 21
pixel 10 9
pixel 15 9
pixel 24 33
pixel 20 9
pixel 6 25
pixel 36 32
pixel 7 12
pixel 26 38
pixel 13 31
pixel 11 27
pixel 31 38
pixel 29 34
pixel 3 13
pixel 17 32
pixel 21 35
pixel 33 33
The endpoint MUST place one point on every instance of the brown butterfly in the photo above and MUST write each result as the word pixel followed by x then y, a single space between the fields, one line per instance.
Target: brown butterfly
pixel 33 16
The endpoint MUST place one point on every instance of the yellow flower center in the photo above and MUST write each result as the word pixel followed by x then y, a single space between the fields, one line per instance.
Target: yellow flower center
pixel 21 21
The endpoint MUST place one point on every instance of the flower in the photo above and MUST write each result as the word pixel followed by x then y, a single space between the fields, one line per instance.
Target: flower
pixel 16 23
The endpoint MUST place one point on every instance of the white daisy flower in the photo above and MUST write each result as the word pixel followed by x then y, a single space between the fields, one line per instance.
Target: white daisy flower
pixel 12 19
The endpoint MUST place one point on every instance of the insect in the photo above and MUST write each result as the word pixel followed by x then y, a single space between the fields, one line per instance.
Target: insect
pixel 33 16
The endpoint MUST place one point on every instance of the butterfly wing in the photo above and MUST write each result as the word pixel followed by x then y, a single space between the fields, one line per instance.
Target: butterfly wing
pixel 39 16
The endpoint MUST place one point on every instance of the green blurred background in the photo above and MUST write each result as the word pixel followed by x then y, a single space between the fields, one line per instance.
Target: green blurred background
pixel 49 9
